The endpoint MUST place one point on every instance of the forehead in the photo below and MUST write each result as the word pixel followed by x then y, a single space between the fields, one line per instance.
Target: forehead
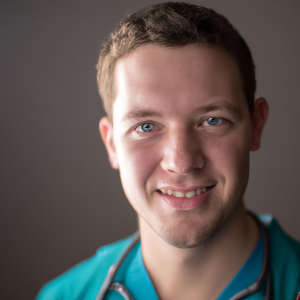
pixel 176 78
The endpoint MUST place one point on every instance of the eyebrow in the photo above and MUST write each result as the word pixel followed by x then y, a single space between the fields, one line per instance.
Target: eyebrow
pixel 220 106
pixel 140 113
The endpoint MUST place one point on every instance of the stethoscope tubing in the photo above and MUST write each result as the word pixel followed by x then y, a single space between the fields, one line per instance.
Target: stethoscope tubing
pixel 256 286
pixel 114 269
pixel 264 274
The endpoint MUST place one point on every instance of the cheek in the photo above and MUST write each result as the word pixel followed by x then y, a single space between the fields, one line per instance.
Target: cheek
pixel 230 156
pixel 138 163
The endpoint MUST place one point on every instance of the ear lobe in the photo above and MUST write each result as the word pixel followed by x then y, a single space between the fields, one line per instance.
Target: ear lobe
pixel 259 118
pixel 106 131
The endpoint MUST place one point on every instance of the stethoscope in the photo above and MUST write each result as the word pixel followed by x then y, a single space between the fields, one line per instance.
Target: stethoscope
pixel 264 275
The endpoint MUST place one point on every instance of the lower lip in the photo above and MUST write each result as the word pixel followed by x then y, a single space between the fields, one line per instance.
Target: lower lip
pixel 185 203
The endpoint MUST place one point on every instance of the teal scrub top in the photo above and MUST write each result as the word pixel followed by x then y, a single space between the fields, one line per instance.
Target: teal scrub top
pixel 83 281
pixel 134 276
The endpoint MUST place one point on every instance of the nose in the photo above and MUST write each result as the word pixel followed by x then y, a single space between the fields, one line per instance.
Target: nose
pixel 182 152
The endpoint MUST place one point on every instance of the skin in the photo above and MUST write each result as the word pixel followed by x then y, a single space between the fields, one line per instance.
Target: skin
pixel 177 90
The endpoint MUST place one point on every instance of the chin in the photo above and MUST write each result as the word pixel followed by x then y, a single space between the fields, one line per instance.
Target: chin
pixel 191 233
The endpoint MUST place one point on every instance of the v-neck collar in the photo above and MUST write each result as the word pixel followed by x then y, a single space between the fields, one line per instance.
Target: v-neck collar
pixel 134 276
pixel 248 274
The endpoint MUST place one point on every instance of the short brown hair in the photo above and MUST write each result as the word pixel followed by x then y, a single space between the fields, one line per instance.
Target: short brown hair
pixel 173 24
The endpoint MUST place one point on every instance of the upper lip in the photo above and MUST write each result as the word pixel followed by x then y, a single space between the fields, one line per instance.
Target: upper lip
pixel 185 189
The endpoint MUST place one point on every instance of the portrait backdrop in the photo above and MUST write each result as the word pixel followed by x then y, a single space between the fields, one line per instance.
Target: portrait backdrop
pixel 60 199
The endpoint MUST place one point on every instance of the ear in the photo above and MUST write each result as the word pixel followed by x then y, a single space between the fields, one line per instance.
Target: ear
pixel 106 131
pixel 259 118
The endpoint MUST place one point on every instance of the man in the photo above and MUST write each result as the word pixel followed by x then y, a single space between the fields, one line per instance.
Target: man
pixel 178 84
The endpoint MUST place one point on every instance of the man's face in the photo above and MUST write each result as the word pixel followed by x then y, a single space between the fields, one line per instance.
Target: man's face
pixel 181 124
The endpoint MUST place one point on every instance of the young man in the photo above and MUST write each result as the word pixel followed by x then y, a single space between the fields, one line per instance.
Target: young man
pixel 178 85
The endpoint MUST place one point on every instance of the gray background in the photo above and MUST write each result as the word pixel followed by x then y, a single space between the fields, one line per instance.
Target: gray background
pixel 60 200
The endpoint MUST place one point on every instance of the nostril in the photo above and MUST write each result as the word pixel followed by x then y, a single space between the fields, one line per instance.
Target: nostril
pixel 171 171
pixel 176 161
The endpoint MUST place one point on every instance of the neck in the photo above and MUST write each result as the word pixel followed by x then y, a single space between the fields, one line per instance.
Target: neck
pixel 204 271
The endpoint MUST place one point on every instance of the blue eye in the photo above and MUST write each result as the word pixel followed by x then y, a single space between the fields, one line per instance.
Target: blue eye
pixel 147 127
pixel 214 121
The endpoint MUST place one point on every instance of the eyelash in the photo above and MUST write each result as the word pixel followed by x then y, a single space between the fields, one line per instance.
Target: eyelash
pixel 222 121
pixel 141 124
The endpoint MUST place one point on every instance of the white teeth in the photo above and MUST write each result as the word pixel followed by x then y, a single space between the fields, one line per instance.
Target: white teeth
pixel 190 194
pixel 179 194
pixel 184 195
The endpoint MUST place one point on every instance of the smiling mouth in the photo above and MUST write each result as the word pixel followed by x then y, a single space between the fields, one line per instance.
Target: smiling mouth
pixel 188 194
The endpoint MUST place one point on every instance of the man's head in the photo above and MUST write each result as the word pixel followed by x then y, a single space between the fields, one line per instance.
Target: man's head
pixel 172 25
pixel 180 134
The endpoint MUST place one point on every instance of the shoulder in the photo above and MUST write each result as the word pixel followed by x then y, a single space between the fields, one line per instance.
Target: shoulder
pixel 282 246
pixel 284 260
pixel 84 280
